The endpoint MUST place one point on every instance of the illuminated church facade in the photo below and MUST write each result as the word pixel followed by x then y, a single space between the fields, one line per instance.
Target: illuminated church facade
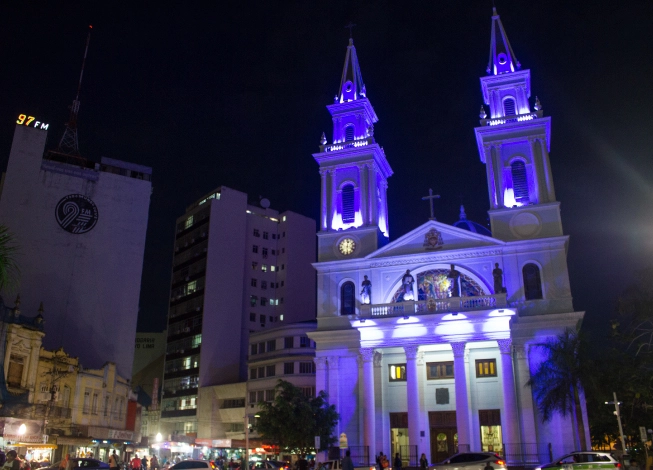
pixel 425 344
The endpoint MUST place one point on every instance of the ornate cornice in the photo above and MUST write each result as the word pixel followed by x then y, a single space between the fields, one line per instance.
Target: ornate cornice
pixel 436 257
pixel 411 351
pixel 505 345
pixel 458 349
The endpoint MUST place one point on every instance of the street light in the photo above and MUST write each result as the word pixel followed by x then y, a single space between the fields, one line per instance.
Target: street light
pixel 247 418
pixel 22 429
pixel 616 404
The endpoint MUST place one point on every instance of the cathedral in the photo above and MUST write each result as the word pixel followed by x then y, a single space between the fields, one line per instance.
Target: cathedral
pixel 426 344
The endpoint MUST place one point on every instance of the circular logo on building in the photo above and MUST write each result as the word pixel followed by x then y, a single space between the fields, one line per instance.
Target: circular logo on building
pixel 76 213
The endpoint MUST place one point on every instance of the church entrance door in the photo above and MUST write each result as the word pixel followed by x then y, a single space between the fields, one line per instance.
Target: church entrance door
pixel 444 435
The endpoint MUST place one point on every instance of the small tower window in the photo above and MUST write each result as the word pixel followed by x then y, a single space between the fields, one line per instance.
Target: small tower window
pixel 349 133
pixel 532 282
pixel 519 181
pixel 347 298
pixel 509 107
pixel 348 211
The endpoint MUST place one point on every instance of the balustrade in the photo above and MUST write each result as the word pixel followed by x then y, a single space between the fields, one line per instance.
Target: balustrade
pixel 425 307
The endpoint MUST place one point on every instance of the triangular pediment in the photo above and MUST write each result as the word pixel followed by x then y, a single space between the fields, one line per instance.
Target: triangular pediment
pixel 434 237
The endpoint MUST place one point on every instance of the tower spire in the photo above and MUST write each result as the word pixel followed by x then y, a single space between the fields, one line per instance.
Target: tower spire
pixel 351 83
pixel 502 58
pixel 68 145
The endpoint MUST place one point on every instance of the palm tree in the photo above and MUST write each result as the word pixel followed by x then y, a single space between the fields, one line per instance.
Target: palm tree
pixel 561 378
pixel 9 272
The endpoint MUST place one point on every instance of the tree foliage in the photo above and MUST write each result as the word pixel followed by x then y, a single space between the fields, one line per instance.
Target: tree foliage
pixel 293 420
pixel 561 378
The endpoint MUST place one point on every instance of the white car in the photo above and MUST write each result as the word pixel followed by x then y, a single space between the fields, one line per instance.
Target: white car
pixel 194 464
pixel 471 461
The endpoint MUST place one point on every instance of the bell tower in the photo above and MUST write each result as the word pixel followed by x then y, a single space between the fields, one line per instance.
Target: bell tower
pixel 514 143
pixel 354 172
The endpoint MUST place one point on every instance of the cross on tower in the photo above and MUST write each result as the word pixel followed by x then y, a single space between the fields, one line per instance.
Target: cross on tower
pixel 430 198
pixel 350 26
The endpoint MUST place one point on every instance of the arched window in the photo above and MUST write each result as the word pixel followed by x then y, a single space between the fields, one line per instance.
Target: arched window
pixel 348 209
pixel 532 282
pixel 509 107
pixel 349 133
pixel 347 298
pixel 519 181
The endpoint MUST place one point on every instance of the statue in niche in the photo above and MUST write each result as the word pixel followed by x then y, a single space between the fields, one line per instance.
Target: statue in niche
pixel 407 281
pixel 497 274
pixel 454 275
pixel 366 291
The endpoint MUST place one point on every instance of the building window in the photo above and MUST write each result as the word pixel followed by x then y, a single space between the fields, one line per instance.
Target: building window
pixel 264 302
pixel 272 344
pixel 281 300
pixel 87 401
pixel 264 268
pixel 519 181
pixel 257 233
pixel 254 248
pixel 252 373
pixel 252 397
pixel 274 236
pixel 270 371
pixel 254 265
pixel 273 268
pixel 264 252
pixel 274 252
pixel 347 298
pixel 289 368
pixel 95 404
pixel 282 283
pixel 264 285
pixel 532 282
pixel 252 317
pixel 260 395
pixel 509 108
pixel 307 367
pixel 15 372
pixel 261 348
pixel 253 300
pixel 283 250
pixel 289 342
pixel 235 427
pixel 265 235
pixel 304 342
pixel 253 282
pixel 486 368
pixel 397 372
pixel 491 435
pixel 189 222
pixel 261 372
pixel 283 266
pixel 269 395
pixel 253 350
pixel 439 370
pixel 308 392
pixel 348 209
pixel 349 133
pixel 262 317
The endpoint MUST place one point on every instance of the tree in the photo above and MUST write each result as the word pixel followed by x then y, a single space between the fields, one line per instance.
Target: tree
pixel 9 272
pixel 292 420
pixel 561 378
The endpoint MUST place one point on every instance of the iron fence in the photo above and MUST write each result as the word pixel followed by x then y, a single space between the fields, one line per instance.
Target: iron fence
pixel 360 455
pixel 408 456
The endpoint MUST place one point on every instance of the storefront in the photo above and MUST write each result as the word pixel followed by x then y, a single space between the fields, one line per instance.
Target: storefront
pixel 25 436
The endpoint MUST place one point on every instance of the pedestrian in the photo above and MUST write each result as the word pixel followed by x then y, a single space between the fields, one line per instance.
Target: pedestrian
pixel 71 463
pixel 397 462
pixel 113 461
pixel 24 463
pixel 144 462
pixel 302 463
pixel 384 461
pixel 64 462
pixel 136 463
pixel 154 463
pixel 12 462
pixel 346 463
pixel 423 462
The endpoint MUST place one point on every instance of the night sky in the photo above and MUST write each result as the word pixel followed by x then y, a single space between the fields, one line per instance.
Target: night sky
pixel 234 93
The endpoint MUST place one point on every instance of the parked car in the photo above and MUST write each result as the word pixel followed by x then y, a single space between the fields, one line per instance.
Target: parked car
pixel 87 464
pixel 583 460
pixel 471 460
pixel 270 465
pixel 187 464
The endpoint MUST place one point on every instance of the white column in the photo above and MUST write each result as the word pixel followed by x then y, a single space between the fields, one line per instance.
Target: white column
pixel 333 383
pixel 524 395
pixel 366 400
pixel 321 375
pixel 383 204
pixel 364 192
pixel 412 395
pixel 333 198
pixel 325 208
pixel 509 417
pixel 491 184
pixel 547 169
pixel 462 407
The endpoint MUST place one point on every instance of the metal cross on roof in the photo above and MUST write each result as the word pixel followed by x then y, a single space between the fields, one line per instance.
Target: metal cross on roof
pixel 430 198
pixel 350 26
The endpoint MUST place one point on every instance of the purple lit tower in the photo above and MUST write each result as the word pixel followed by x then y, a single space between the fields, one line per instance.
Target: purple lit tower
pixel 426 343
pixel 354 173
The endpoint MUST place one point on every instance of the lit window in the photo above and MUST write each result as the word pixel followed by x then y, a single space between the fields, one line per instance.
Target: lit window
pixel 284 219
pixel 191 287
pixel 273 268
pixel 486 368
pixel 397 372
pixel 189 222
pixel 439 370
pixel 281 317
pixel 264 268
pixel 253 300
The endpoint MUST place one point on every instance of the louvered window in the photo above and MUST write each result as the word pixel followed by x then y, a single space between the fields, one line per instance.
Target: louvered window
pixel 347 298
pixel 348 212
pixel 509 107
pixel 349 133
pixel 532 282
pixel 519 181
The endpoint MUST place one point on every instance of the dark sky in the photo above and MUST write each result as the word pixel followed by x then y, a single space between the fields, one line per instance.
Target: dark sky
pixel 234 93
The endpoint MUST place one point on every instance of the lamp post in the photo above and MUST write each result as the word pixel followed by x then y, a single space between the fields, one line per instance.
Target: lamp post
pixel 247 418
pixel 618 414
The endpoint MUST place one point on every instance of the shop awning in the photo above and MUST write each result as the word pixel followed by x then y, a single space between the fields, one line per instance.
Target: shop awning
pixel 75 441
pixel 35 446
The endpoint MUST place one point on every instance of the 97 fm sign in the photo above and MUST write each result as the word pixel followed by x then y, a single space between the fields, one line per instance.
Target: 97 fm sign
pixel 25 120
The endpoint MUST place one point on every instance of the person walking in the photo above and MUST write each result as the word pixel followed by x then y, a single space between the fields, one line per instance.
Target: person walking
pixel 423 462
pixel 113 461
pixel 154 463
pixel 347 463
pixel 397 462
pixel 136 463
pixel 12 462
pixel 144 462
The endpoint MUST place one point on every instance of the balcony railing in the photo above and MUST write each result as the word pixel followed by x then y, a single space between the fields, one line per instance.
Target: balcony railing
pixel 348 144
pixel 510 119
pixel 425 307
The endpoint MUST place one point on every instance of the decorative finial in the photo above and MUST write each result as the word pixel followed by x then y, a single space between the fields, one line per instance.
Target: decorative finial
pixel 463 216
pixel 538 105
pixel 350 26
pixel 482 114
pixel 17 302
pixel 323 139
pixel 335 99
pixel 41 308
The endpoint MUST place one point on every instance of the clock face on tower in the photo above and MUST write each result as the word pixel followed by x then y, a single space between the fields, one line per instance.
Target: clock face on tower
pixel 347 246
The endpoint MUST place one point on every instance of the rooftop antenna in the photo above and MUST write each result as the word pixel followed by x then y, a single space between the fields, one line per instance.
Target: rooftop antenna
pixel 68 145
